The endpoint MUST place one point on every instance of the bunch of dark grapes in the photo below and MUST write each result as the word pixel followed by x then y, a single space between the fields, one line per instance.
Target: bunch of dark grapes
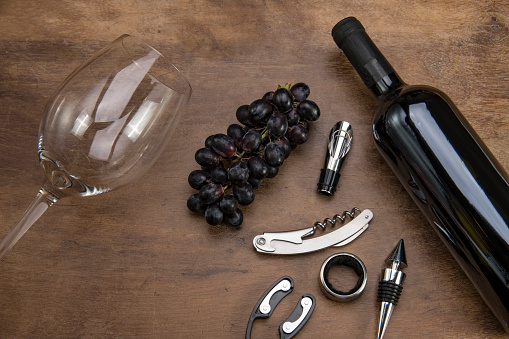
pixel 234 164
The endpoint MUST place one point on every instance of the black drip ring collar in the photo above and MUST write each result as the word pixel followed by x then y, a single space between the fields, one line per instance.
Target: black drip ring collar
pixel 343 259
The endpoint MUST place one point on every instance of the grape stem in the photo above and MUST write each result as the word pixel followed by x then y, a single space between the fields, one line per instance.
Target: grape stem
pixel 265 133
pixel 238 156
pixel 288 85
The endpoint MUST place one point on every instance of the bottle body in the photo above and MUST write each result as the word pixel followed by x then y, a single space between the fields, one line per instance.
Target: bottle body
pixel 456 182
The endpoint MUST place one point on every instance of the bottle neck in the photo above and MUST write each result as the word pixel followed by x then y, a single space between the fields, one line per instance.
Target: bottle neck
pixel 376 72
pixel 387 85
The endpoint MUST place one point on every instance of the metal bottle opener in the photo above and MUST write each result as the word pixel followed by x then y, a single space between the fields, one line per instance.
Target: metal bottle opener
pixel 292 242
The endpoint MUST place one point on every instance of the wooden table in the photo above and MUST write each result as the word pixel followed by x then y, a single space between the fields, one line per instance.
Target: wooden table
pixel 136 263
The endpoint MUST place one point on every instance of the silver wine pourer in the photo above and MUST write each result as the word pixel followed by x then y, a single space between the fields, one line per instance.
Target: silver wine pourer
pixel 340 140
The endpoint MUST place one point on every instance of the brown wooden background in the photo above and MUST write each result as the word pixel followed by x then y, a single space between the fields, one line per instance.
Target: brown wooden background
pixel 136 263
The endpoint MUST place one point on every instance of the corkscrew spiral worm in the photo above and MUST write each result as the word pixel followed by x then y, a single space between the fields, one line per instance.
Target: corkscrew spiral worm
pixel 334 220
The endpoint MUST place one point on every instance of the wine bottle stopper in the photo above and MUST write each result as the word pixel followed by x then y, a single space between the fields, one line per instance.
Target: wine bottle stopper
pixel 340 140
pixel 390 286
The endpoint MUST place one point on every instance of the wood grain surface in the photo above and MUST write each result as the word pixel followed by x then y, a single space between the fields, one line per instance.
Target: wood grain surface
pixel 135 263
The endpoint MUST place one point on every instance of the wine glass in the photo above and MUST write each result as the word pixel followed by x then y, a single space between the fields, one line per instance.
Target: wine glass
pixel 105 125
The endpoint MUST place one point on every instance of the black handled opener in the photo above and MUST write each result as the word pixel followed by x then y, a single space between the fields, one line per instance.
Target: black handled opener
pixel 300 315
pixel 269 300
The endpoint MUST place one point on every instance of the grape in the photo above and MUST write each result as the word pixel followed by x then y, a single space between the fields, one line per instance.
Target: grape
pixel 213 214
pixel 251 141
pixel 194 204
pixel 258 168
pixel 277 125
pixel 238 172
pixel 229 204
pixel 235 219
pixel 293 117
pixel 298 134
pixel 283 100
pixel 223 145
pixel 272 171
pixel 274 154
pixel 244 193
pixel 268 96
pixel 198 178
pixel 259 110
pixel 207 157
pixel 233 165
pixel 255 183
pixel 300 91
pixel 211 193
pixel 236 132
pixel 242 115
pixel 219 175
pixel 208 141
pixel 285 145
pixel 308 110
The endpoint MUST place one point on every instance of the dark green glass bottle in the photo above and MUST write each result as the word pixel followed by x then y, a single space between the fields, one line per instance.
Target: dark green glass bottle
pixel 443 164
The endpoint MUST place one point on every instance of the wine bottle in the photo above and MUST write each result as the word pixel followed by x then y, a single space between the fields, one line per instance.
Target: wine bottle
pixel 443 164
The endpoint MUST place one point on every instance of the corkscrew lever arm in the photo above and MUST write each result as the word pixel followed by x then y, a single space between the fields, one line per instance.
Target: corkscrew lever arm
pixel 292 242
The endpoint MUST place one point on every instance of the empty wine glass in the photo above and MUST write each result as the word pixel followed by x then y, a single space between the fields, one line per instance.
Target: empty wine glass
pixel 105 125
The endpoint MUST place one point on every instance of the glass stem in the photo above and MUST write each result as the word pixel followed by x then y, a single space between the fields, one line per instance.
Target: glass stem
pixel 39 205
